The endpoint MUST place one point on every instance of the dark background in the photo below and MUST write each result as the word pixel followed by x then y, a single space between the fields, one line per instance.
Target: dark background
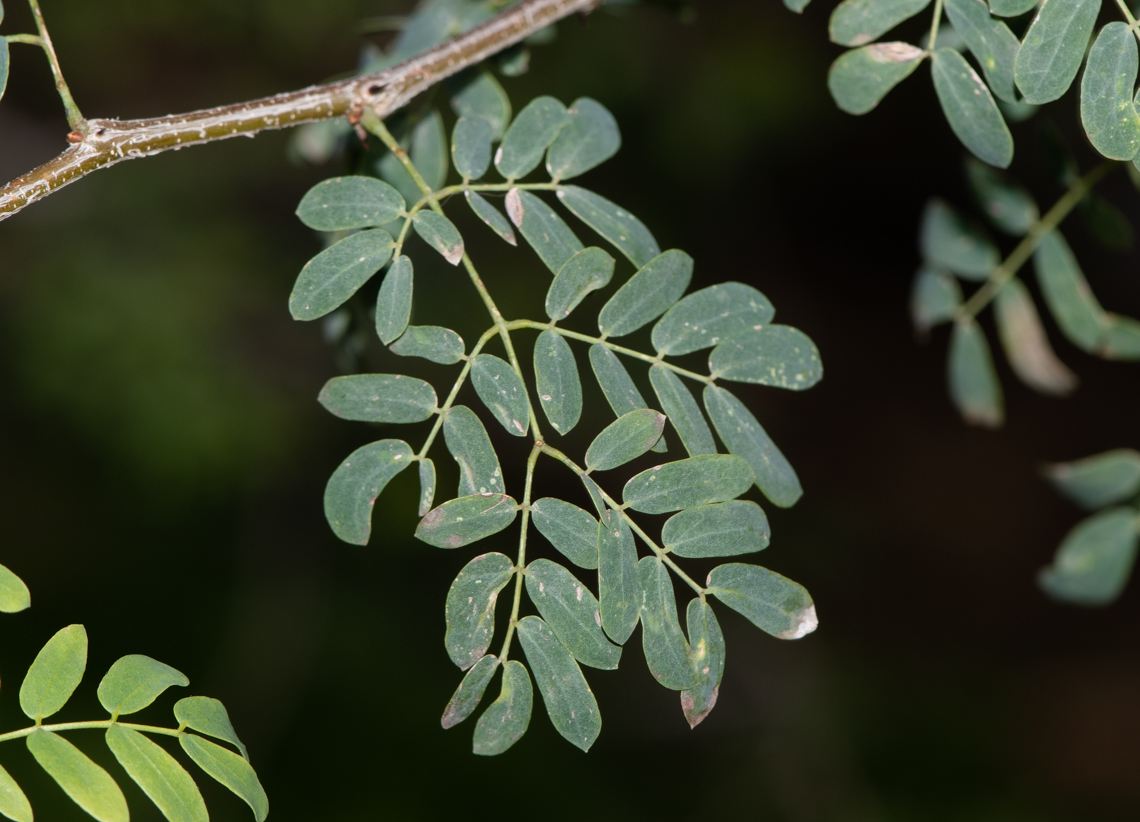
pixel 163 455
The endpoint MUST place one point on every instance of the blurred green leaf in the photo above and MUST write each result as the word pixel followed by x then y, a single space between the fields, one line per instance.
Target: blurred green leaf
pixel 707 643
pixel 569 701
pixel 1107 222
pixel 491 216
pixel 775 355
pixel 857 22
pixel 427 485
pixel 480 95
pixel 772 603
pixel 429 150
pixel 230 770
pixel 557 382
pixel 1053 48
pixel 1011 8
pixel 441 345
pixel 470 691
pixel 14 594
pixel 970 109
pixel 468 519
pixel 471 600
pixel 88 785
pixel 588 140
pixel 468 443
pixel 357 482
pixel 991 42
pixel 1095 559
pixel 667 653
pixel 625 439
pixel 571 611
pixel 974 385
pixel 682 410
pixel 513 61
pixel 588 270
pixel 796 5
pixel 4 62
pixel 208 716
pixel 1067 293
pixel 349 202
pixel 1026 346
pixel 55 673
pixel 647 294
pixel 136 681
pixel 724 529
pixel 158 774
pixel 619 590
pixel 688 483
pixel 501 390
pixel 612 222
pixel 744 436
pixel 471 147
pixel 860 78
pixel 1099 480
pixel 1005 201
pixel 379 398
pixel 1109 117
pixel 1121 338
pixel 440 233
pixel 617 385
pixel 394 302
pixel 1017 112
pixel 949 242
pixel 571 530
pixel 13 803
pixel 525 141
pixel 506 719
pixel 543 229
pixel 710 316
pixel 934 298
pixel 334 275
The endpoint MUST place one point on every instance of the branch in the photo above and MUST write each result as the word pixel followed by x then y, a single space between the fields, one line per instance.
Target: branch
pixel 111 141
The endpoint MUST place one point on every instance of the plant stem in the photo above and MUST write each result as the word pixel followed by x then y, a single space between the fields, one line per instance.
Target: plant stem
pixel 1133 26
pixel 29 39
pixel 483 340
pixel 83 726
pixel 934 25
pixel 74 116
pixel 1004 272
pixel 520 565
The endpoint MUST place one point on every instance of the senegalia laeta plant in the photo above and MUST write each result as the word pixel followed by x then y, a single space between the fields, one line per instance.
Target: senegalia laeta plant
pixel 577 624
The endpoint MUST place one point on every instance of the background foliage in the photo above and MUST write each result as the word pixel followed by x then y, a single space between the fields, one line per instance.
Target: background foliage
pixel 191 466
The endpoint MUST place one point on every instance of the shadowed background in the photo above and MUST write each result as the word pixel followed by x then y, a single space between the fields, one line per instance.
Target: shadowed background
pixel 164 457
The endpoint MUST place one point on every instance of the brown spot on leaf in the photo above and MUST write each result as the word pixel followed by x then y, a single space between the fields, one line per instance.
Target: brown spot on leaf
pixel 688 705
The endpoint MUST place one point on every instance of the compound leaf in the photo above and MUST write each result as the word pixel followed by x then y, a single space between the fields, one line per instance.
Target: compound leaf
pixel 974 384
pixel 343 203
pixel 628 234
pixel 158 774
pixel 589 139
pixel 482 96
pixel 468 443
pixel 1008 205
pixel 1099 480
pixel 688 483
pixel 772 603
pixel 535 128
pixel 682 410
pixel 470 691
pixel 394 302
pixel 571 611
pixel 557 381
pixel 88 785
pixel 470 609
pixel 710 316
pixel 947 241
pixel 991 41
pixel 14 594
pixel 471 146
pixel 569 701
pixel 13 803
pixel 208 716
pixel 357 482
pixel 506 719
pixel 617 385
pixel 491 216
pixel 856 22
pixel 724 529
pixel 775 355
pixel 707 643
pixel 1067 293
pixel 545 231
pixel 619 591
pixel 862 77
pixel 647 294
pixel 573 531
pixel 1107 112
pixel 329 279
pixel 441 345
pixel 934 298
pixel 1026 346
pixel 379 398
pixel 743 435
pixel 1095 559
pixel 588 270
pixel 55 673
pixel 427 485
pixel 625 439
pixel 136 681
pixel 230 770
pixel 501 390
pixel 465 520
pixel 667 653
pixel 1052 49
pixel 970 109
pixel 440 233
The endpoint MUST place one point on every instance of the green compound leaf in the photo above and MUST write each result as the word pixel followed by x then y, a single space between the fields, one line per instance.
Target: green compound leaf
pixel 134 682
pixel 441 345
pixel 708 658
pixel 688 483
pixel 970 109
pixel 617 385
pixel 974 385
pixel 470 691
pixel 507 718
pixel 1011 8
pixel 88 785
pixel 440 233
pixel 588 270
pixel 357 482
pixel 55 674
pixel 725 529
pixel 13 803
pixel 1052 49
pixel 1095 559
pixel 230 770
pixel 1008 205
pixel 772 603
pixel 468 443
pixel 465 520
pixel 545 231
pixel 775 355
pixel 628 234
pixel 159 775
pixel 482 96
pixel 625 439
pixel 208 716
pixel 1026 346
pixel 743 435
pixel 857 22
pixel 343 203
pixel 667 653
pixel 470 608
pixel 501 390
pixel 619 589
pixel 862 77
pixel 682 410
pixel 934 299
pixel 991 41
pixel 14 594
pixel 569 701
pixel 557 382
pixel 329 279
pixel 427 486
pixel 394 302
pixel 1099 480
pixel 949 242
pixel 1067 293
pixel 535 128
pixel 588 140
pixel 1107 111
pixel 710 316
pixel 573 531
pixel 1121 338
pixel 471 147
pixel 572 613
pixel 647 294
pixel 379 398
pixel 491 216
